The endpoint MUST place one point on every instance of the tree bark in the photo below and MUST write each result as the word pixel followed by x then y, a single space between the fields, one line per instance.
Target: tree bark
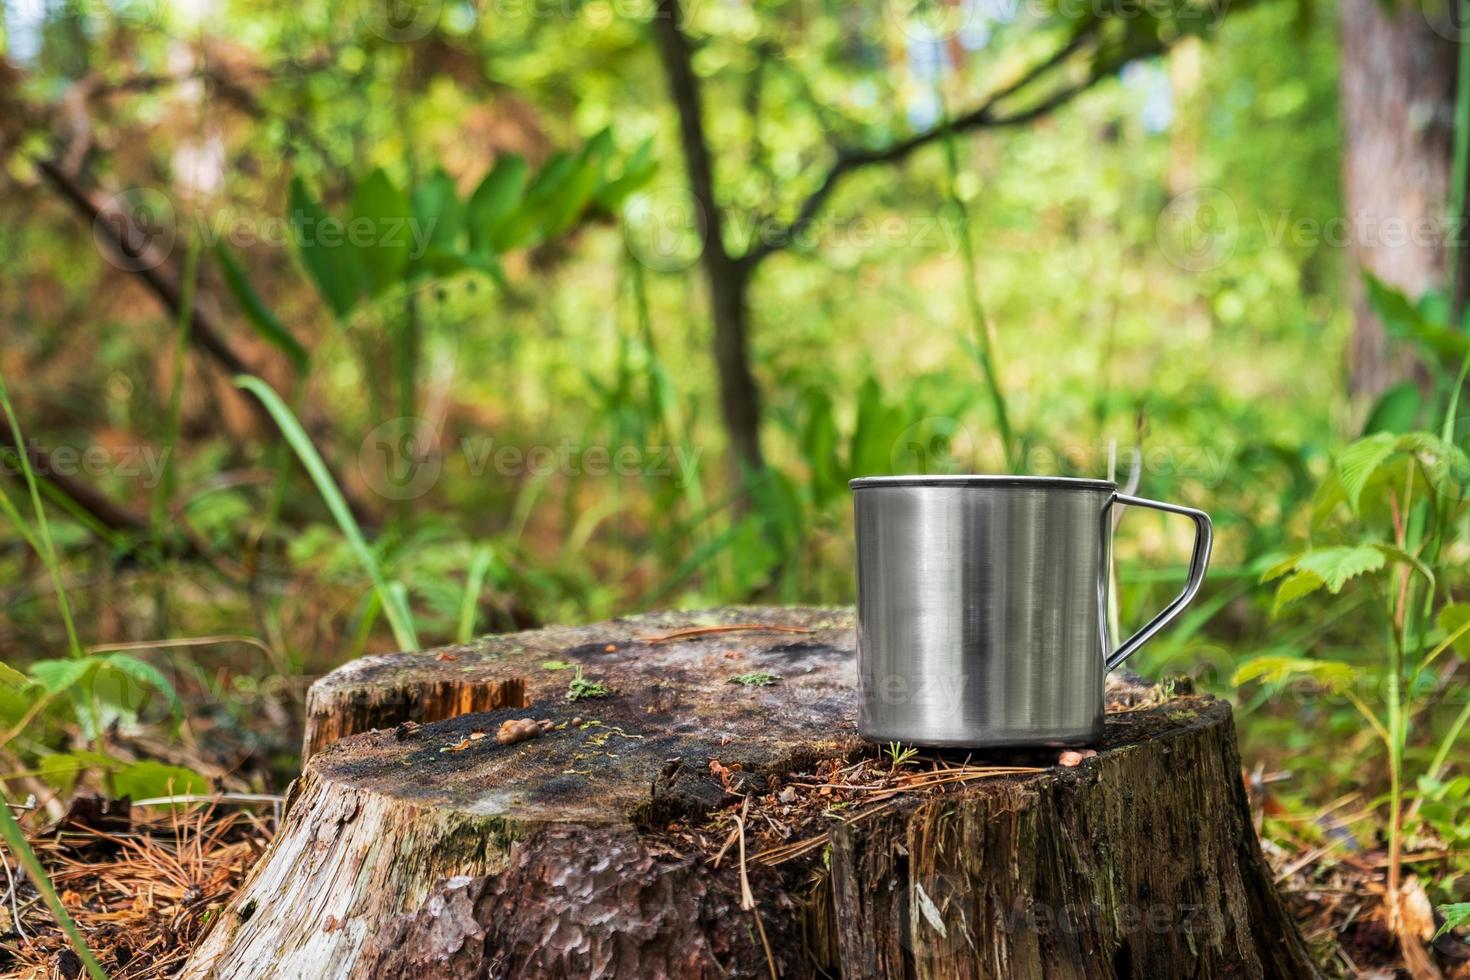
pixel 595 848
pixel 726 276
pixel 1397 86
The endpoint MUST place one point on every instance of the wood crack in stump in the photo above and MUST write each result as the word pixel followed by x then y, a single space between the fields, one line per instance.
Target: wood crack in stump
pixel 590 849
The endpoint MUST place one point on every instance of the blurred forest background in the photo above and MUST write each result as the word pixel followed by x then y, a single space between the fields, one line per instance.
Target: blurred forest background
pixel 332 328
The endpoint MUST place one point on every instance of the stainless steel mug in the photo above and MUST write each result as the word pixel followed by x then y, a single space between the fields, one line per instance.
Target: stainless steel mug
pixel 982 607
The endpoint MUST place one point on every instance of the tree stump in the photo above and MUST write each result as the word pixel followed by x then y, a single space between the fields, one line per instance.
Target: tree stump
pixel 716 814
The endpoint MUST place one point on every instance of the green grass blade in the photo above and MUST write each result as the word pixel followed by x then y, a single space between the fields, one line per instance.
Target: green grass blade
pixel 470 602
pixel 43 529
pixel 400 619
pixel 15 839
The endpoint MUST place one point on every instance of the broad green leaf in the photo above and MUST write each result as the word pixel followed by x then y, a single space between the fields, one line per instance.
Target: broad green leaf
pixel 260 316
pixel 495 199
pixel 1298 584
pixel 9 675
pixel 58 676
pixel 146 674
pixel 1391 305
pixel 1395 411
pixel 380 232
pixel 149 779
pixel 1358 462
pixel 523 226
pixel 639 169
pixel 1330 674
pixel 438 213
pixel 322 243
pixel 563 210
pixel 1452 619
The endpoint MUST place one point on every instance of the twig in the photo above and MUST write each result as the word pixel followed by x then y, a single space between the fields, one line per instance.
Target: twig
pixel 747 898
pixel 696 631
pixel 13 899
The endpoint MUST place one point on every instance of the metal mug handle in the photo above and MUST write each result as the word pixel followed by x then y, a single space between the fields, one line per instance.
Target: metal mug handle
pixel 1198 562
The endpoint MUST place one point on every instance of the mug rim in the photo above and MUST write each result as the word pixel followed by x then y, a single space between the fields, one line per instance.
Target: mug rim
pixel 981 480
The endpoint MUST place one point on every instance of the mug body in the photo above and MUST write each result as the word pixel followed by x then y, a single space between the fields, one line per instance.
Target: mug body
pixel 982 605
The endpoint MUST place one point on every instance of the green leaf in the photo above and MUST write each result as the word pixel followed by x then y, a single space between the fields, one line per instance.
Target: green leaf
pixel 9 675
pixel 59 676
pixel 1358 462
pixel 494 200
pixel 379 232
pixel 321 242
pixel 1297 585
pixel 1452 618
pixel 1395 411
pixel 267 326
pixel 146 674
pixel 400 618
pixel 639 169
pixel 1334 566
pixel 1447 465
pixel 438 213
pixel 149 778
pixel 1330 674
pixel 1456 914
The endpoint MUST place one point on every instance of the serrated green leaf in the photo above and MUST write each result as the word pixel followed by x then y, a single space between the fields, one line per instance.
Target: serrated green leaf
pixel 321 242
pixel 1358 462
pixel 59 676
pixel 379 232
pixel 257 314
pixel 1456 914
pixel 1330 674
pixel 494 200
pixel 1298 584
pixel 1338 565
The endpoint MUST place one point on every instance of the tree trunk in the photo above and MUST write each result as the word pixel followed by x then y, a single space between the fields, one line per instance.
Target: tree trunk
pixel 683 825
pixel 1398 96
pixel 727 277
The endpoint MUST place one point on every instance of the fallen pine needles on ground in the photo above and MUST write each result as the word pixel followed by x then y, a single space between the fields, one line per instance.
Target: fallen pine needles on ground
pixel 142 883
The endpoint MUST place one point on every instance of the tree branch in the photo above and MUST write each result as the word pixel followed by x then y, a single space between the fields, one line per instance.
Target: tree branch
pixel 982 117
pixel 204 331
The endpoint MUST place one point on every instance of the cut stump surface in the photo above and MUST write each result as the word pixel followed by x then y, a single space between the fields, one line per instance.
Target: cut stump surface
pixel 613 841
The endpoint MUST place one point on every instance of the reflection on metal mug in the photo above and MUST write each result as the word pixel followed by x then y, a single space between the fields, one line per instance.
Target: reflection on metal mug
pixel 982 607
